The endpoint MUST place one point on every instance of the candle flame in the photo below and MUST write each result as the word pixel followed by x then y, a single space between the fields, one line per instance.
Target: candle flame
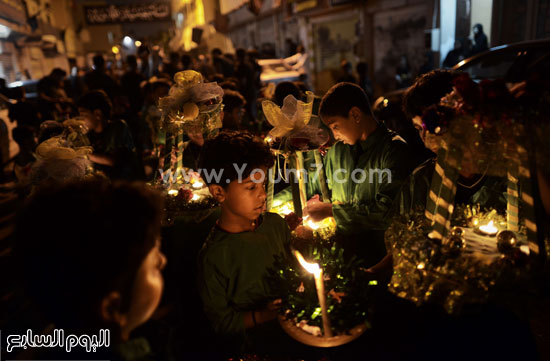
pixel 173 192
pixel 196 197
pixel 198 184
pixel 310 224
pixel 285 210
pixel 489 228
pixel 310 267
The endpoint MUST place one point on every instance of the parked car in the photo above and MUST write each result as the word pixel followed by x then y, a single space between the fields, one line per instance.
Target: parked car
pixel 511 62
pixel 31 87
pixel 275 71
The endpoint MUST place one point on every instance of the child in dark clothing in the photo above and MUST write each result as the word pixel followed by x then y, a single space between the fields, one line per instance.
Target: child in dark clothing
pixel 241 247
pixel 90 257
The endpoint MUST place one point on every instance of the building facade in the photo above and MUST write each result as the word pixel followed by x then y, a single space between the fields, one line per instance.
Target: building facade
pixel 379 32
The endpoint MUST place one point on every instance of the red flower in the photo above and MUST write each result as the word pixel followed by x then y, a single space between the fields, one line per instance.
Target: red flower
pixel 185 194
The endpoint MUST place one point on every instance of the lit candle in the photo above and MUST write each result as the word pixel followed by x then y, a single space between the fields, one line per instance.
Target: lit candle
pixel 310 224
pixel 320 286
pixel 198 184
pixel 173 192
pixel 285 210
pixel 196 197
pixel 489 229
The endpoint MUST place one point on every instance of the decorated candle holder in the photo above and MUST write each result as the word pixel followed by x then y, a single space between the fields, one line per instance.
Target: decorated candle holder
pixel 325 299
pixel 297 333
pixel 481 131
pixel 293 134
pixel 192 106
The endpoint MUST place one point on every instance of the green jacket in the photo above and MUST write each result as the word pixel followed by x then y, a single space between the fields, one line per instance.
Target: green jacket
pixel 233 269
pixel 379 166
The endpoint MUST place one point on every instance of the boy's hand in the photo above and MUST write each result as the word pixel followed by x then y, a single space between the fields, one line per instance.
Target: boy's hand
pixel 274 305
pixel 293 220
pixel 314 199
pixel 318 211
pixel 304 232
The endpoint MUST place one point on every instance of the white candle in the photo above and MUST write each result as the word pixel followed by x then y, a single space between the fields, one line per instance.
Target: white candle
pixel 489 229
pixel 320 286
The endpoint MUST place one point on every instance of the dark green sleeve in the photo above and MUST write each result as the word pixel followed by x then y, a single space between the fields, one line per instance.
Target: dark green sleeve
pixel 213 285
pixel 374 213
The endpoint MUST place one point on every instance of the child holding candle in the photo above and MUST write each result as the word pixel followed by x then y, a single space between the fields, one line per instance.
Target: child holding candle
pixel 365 170
pixel 234 260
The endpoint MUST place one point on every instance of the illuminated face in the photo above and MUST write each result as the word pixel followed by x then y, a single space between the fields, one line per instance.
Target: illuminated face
pixel 147 290
pixel 91 119
pixel 246 199
pixel 344 129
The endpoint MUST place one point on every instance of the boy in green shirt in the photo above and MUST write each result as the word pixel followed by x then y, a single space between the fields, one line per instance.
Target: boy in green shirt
pixel 364 169
pixel 241 247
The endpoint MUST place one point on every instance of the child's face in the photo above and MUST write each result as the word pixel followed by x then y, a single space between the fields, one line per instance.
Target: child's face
pixel 92 119
pixel 147 289
pixel 246 199
pixel 344 129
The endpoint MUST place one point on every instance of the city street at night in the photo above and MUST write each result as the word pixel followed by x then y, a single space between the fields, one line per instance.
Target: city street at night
pixel 275 180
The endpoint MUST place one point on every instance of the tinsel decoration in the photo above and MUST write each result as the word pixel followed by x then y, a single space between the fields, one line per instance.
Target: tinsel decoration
pixel 349 290
pixel 486 128
pixel 447 273
pixel 192 106
pixel 183 205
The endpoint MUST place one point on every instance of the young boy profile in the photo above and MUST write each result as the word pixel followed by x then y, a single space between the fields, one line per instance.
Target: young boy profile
pixel 241 247
pixel 89 256
pixel 365 169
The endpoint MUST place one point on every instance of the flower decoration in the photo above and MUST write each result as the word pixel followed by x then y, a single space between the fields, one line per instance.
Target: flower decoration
pixel 292 128
pixel 192 103
pixel 59 161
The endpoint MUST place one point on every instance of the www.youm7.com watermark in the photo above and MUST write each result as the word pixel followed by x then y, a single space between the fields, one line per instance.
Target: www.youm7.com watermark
pixel 258 175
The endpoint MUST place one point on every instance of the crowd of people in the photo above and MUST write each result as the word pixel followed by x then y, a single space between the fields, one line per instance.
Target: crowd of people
pixel 465 47
pixel 90 252
pixel 123 135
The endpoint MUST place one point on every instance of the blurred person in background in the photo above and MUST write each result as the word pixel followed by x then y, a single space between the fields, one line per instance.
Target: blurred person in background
pixel 346 72
pixel 233 110
pixel 481 43
pixel 97 78
pixel 364 81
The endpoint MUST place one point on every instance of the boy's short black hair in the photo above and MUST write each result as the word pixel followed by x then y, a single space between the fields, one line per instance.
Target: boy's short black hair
pixel 283 89
pixel 77 243
pixel 159 84
pixel 427 90
pixel 96 99
pixel 99 61
pixel 131 60
pixel 229 151
pixel 339 100
pixel 232 99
